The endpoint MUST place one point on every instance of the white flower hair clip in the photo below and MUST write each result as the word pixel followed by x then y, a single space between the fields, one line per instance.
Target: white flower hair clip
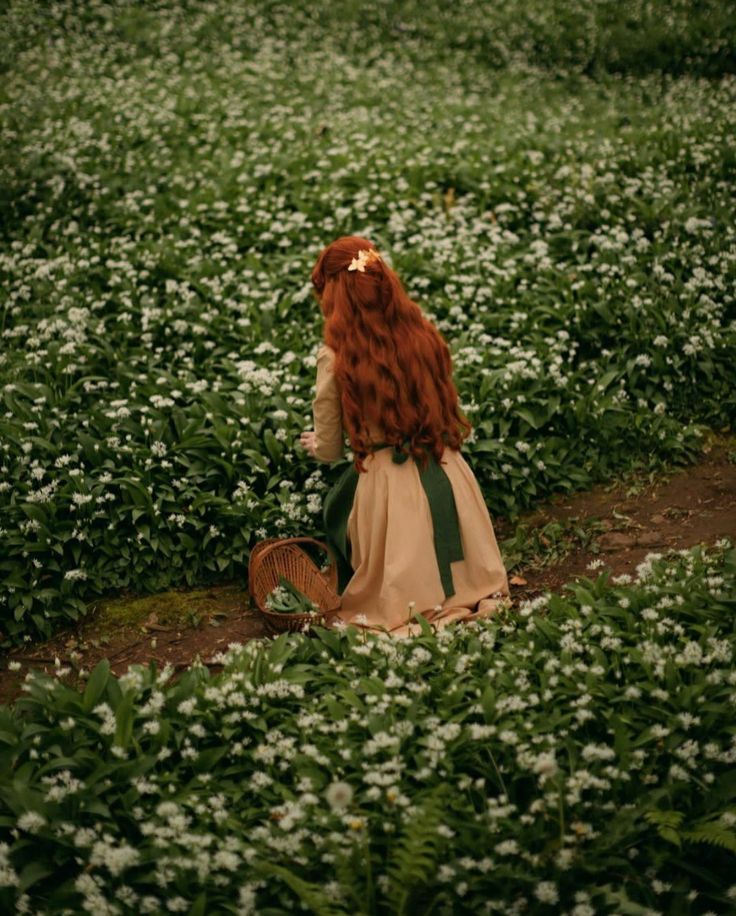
pixel 365 256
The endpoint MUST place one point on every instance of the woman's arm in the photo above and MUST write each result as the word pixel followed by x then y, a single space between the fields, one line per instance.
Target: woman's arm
pixel 328 440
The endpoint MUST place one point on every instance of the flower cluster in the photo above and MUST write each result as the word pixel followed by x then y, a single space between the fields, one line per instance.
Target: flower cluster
pixel 522 763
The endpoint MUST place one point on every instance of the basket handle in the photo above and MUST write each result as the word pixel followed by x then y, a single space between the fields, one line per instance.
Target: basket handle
pixel 279 542
pixel 255 561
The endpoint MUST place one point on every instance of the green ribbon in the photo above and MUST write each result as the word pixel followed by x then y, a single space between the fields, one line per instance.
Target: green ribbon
pixel 448 547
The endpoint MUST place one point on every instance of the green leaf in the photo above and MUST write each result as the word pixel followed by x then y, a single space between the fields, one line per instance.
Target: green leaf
pixel 273 445
pixel 725 787
pixel 95 806
pixel 713 834
pixel 605 380
pixel 424 624
pixel 209 757
pixel 36 512
pixel 671 835
pixel 546 628
pixel 416 854
pixel 621 740
pixel 329 637
pixel 623 904
pixel 488 702
pixel 335 709
pixel 530 418
pixel 96 684
pixel 124 719
pixel 671 675
pixel 199 907
pixel 137 492
pixel 281 649
pixel 33 872
pixel 311 894
pixel 256 458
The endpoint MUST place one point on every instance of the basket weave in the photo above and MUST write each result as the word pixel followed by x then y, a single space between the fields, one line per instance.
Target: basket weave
pixel 276 557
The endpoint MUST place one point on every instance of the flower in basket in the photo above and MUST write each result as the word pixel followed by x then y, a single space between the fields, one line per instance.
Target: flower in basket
pixel 286 598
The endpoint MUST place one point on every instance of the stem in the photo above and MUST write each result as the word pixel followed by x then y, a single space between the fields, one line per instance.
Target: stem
pixel 370 895
pixel 562 814
pixel 432 905
pixel 498 772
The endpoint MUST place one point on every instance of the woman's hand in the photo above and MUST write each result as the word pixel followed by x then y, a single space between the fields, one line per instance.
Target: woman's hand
pixel 308 441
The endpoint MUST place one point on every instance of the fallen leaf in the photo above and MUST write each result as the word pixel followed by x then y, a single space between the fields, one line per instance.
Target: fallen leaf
pixel 517 580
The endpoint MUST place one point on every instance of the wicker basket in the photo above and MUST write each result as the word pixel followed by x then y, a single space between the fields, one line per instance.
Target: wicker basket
pixel 281 556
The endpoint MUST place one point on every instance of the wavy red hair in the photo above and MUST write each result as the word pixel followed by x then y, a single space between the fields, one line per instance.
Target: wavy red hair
pixel 392 365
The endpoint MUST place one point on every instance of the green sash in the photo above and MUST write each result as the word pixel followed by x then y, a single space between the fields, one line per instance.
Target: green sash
pixel 338 503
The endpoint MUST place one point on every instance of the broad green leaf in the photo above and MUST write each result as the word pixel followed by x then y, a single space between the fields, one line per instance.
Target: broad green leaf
pixel 124 719
pixel 272 445
pixel 96 683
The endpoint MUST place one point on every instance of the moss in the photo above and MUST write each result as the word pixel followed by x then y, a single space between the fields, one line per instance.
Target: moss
pixel 183 607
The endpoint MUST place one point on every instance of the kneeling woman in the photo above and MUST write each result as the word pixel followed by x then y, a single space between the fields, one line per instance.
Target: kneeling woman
pixel 407 521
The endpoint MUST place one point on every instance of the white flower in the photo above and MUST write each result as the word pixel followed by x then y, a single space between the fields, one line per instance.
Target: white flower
pixel 339 795
pixel 75 574
pixel 597 752
pixel 31 821
pixel 546 892
pixel 688 720
pixel 545 765
pixel 507 848
pixel 187 707
pixel 116 858
pixel 621 579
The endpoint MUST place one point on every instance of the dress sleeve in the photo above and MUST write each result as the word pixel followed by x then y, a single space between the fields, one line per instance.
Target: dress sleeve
pixel 327 409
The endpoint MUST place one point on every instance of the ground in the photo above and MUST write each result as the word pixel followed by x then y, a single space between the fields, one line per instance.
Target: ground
pixel 618 523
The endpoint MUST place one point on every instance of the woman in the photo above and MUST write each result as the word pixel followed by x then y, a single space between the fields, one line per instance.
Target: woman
pixel 406 521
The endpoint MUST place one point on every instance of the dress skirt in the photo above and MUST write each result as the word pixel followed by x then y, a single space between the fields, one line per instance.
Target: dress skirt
pixel 400 540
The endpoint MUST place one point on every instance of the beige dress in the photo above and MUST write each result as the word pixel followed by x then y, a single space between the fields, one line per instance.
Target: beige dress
pixel 391 534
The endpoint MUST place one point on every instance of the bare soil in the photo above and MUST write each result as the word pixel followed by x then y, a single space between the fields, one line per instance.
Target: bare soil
pixel 692 505
pixel 630 519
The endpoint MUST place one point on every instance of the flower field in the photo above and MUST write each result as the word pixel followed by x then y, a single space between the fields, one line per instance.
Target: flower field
pixel 553 181
pixel 168 175
pixel 576 756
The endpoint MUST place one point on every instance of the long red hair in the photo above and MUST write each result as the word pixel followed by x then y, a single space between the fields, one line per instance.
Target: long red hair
pixel 392 365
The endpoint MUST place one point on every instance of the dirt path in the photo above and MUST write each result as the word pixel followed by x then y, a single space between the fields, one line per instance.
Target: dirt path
pixel 614 524
pixel 632 518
